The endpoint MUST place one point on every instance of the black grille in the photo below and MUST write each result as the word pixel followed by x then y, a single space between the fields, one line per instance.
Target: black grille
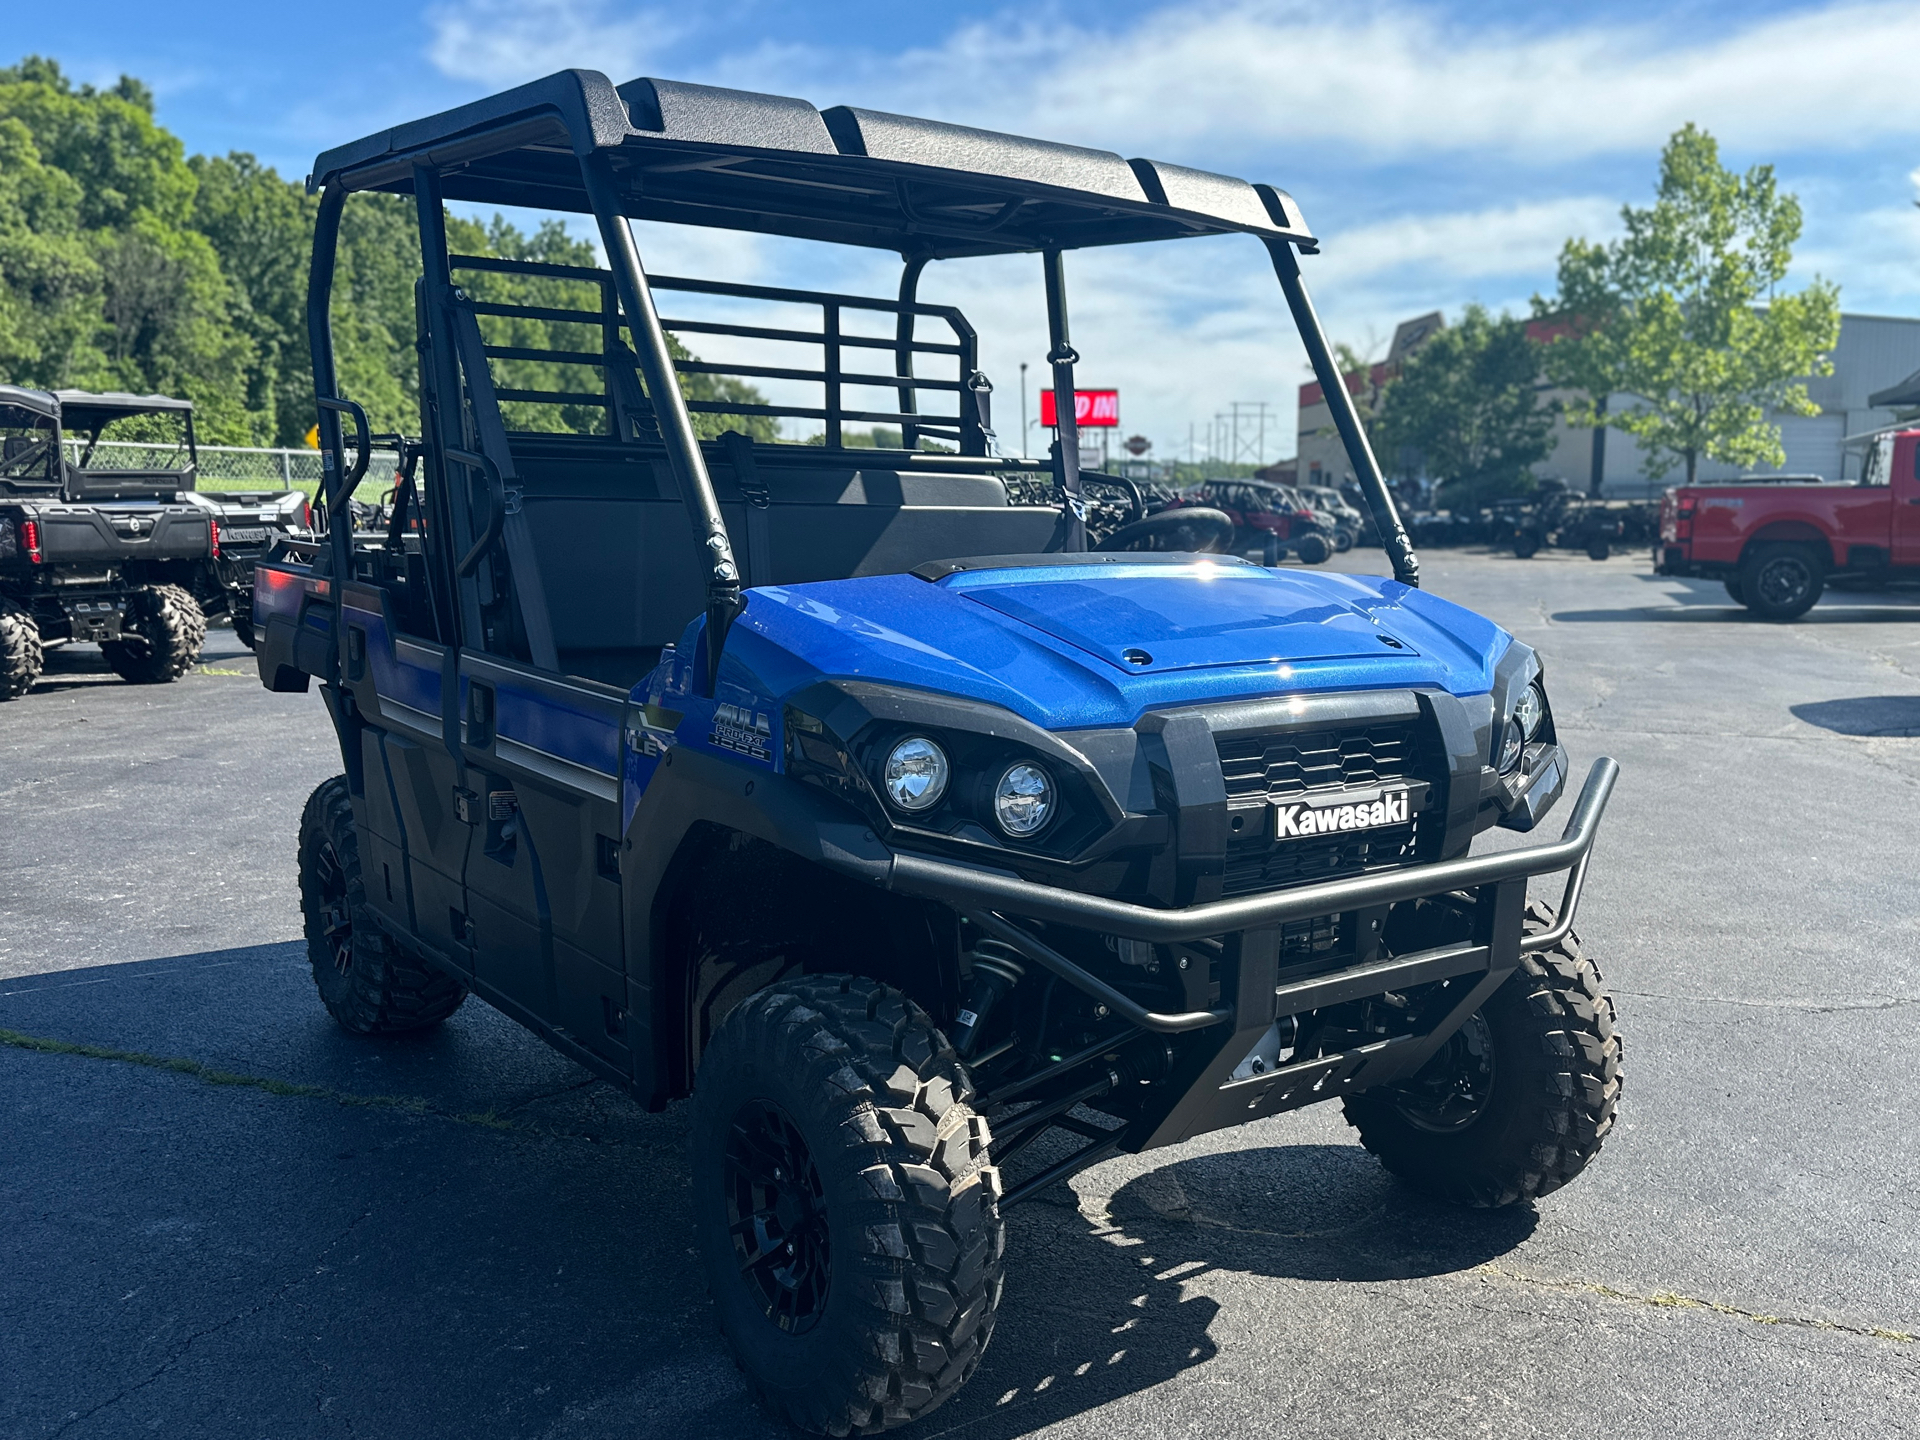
pixel 1261 769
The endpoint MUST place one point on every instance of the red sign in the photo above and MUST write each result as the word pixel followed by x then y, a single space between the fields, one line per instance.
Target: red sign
pixel 1090 407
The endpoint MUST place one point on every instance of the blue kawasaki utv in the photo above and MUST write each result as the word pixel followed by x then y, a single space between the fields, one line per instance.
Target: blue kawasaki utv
pixel 851 791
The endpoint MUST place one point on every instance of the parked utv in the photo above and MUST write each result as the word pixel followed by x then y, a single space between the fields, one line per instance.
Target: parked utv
pixel 94 550
pixel 1274 520
pixel 847 791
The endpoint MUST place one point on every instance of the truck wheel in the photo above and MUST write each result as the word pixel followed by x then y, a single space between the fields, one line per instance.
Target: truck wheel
pixel 1313 549
pixel 1519 1100
pixel 364 979
pixel 20 653
pixel 1780 582
pixel 847 1211
pixel 160 636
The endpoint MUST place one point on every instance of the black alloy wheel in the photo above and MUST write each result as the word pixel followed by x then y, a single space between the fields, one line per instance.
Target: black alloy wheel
pixel 777 1215
pixel 335 909
pixel 1781 582
pixel 1451 1090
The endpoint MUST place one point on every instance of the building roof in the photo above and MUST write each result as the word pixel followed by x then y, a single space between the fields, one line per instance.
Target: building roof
pixel 693 154
pixel 1907 392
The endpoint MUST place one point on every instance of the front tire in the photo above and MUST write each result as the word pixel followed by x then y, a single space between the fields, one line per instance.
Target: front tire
pixel 1734 590
pixel 1781 582
pixel 366 982
pixel 160 636
pixel 242 615
pixel 847 1211
pixel 1313 549
pixel 1519 1100
pixel 1599 549
pixel 20 654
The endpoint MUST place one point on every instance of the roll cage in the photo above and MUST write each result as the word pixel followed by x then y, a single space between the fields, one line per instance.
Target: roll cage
pixel 667 151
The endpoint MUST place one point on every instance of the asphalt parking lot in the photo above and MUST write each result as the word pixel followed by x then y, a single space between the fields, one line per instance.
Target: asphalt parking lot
pixel 222 1216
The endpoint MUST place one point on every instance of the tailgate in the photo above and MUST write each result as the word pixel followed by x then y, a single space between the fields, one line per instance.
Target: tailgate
pixel 83 534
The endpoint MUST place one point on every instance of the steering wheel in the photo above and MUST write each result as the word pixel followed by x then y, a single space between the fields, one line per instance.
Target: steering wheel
pixel 1185 528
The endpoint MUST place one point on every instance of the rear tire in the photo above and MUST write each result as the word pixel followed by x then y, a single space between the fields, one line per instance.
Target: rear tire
pixel 243 627
pixel 1525 547
pixel 847 1212
pixel 20 654
pixel 161 635
pixel 1519 1101
pixel 1781 582
pixel 1342 541
pixel 366 982
pixel 1313 549
pixel 1598 549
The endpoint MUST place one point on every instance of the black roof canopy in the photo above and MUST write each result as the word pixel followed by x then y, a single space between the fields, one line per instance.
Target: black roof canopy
pixel 696 155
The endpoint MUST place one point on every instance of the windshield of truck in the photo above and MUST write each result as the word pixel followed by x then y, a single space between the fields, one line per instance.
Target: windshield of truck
pixel 26 445
pixel 103 440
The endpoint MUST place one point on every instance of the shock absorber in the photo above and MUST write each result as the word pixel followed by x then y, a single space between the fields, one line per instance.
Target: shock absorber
pixel 996 970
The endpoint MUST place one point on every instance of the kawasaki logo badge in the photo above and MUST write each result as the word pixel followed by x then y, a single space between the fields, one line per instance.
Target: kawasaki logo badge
pixel 1376 811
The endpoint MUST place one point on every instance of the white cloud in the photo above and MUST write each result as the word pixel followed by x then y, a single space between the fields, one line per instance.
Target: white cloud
pixel 1388 78
pixel 504 42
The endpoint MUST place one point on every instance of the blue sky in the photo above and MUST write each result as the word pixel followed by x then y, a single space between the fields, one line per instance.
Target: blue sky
pixel 1443 152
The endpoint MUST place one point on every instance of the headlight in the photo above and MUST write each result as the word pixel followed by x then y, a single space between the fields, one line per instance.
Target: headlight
pixel 1023 800
pixel 916 774
pixel 1530 711
pixel 1512 743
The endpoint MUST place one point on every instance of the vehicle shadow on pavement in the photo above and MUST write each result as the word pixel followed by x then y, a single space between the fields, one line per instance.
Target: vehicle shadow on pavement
pixel 1100 1306
pixel 462 1234
pixel 1825 613
pixel 1869 715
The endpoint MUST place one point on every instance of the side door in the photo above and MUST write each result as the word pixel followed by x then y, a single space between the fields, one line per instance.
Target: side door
pixel 418 839
pixel 1899 467
pixel 543 876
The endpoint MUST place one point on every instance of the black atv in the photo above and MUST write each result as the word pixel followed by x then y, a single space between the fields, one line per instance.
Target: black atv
pixel 95 546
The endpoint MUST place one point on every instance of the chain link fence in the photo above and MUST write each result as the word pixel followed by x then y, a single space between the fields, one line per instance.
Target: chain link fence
pixel 233 467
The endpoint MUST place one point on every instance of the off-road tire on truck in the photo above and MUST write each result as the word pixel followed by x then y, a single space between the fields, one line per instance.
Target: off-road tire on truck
pixel 1519 1100
pixel 366 982
pixel 20 653
pixel 161 636
pixel 1781 581
pixel 831 1127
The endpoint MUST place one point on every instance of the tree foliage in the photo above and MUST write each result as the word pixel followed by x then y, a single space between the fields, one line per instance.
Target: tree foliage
pixel 1468 401
pixel 126 264
pixel 1685 314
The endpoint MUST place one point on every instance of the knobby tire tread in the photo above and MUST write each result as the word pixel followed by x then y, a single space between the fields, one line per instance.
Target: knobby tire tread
pixel 919 1186
pixel 384 990
pixel 1569 1096
pixel 163 632
pixel 21 656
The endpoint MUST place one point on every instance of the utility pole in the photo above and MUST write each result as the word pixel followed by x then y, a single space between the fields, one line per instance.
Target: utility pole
pixel 1023 410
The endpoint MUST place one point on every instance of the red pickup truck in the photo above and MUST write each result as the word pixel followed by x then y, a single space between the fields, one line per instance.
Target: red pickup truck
pixel 1775 544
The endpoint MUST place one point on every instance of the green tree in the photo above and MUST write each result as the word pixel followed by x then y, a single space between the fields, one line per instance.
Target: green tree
pixel 1468 401
pixel 1685 314
pixel 49 279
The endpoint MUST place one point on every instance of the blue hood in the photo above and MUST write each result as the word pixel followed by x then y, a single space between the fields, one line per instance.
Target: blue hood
pixel 1071 646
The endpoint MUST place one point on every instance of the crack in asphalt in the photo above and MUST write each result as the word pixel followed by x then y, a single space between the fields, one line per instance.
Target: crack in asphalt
pixel 286 1089
pixel 1672 1300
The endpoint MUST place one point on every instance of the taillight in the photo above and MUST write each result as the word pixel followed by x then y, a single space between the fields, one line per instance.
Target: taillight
pixel 30 542
pixel 214 526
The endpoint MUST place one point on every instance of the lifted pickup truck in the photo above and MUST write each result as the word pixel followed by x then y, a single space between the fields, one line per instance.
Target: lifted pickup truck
pixel 93 553
pixel 914 829
pixel 1776 544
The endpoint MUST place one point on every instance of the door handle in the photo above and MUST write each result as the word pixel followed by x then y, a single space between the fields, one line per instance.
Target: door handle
pixel 480 714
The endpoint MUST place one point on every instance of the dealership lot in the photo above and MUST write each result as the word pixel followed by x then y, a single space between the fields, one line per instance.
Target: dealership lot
pixel 223 1216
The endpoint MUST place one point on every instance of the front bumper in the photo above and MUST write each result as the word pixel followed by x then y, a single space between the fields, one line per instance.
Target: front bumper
pixel 1253 998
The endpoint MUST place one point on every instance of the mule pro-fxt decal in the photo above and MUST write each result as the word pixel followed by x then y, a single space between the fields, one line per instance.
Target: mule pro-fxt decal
pixel 744 729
